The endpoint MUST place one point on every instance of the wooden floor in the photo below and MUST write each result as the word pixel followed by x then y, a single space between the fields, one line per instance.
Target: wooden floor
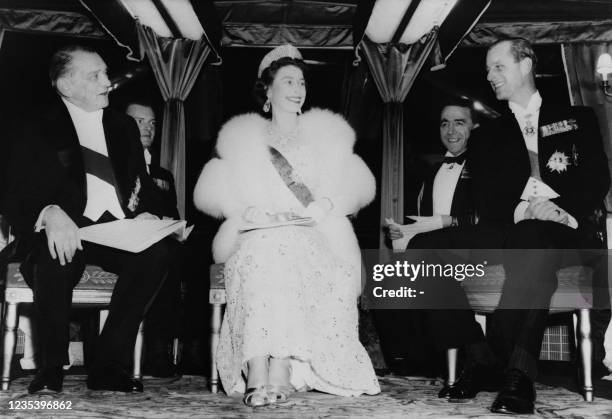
pixel 188 397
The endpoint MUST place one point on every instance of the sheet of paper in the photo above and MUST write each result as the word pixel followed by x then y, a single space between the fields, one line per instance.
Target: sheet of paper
pixel 408 234
pixel 183 234
pixel 134 235
pixel 301 221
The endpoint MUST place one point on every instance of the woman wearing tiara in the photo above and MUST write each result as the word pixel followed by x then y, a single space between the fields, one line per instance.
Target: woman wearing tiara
pixel 285 185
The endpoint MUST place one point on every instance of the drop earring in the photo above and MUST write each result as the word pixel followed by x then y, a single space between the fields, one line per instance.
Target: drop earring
pixel 266 106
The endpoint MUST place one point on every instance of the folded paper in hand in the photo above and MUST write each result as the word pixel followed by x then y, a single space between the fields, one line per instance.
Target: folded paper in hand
pixel 402 243
pixel 134 235
pixel 420 224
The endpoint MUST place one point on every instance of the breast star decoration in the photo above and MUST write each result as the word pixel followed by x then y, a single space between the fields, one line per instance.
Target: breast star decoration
pixel 558 162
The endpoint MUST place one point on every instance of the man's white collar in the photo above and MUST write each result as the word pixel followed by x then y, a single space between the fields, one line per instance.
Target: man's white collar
pixel 147 156
pixel 534 104
pixel 79 112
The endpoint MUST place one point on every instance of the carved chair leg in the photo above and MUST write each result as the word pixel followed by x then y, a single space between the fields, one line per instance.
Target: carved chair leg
pixel 215 329
pixel 586 350
pixel 10 338
pixel 138 352
pixel 451 359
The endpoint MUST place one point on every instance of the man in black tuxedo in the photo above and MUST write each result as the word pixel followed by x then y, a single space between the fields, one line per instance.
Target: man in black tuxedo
pixel 76 164
pixel 542 171
pixel 445 202
pixel 539 178
pixel 144 116
pixel 447 189
pixel 163 316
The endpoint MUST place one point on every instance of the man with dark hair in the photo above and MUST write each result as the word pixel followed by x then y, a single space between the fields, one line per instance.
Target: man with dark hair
pixel 445 202
pixel 447 191
pixel 144 116
pixel 162 319
pixel 445 199
pixel 543 173
pixel 539 178
pixel 76 164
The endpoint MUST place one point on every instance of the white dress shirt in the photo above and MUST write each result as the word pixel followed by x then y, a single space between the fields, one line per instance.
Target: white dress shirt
pixel 528 116
pixel 101 195
pixel 147 157
pixel 444 186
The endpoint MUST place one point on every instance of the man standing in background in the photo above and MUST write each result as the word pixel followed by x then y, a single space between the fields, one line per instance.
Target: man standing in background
pixel 161 323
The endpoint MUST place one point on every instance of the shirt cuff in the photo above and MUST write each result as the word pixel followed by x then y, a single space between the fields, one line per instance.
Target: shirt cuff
pixel 519 211
pixel 38 226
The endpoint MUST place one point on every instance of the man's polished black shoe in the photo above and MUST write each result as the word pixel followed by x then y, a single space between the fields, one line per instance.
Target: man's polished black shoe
pixel 48 380
pixel 472 381
pixel 517 395
pixel 113 378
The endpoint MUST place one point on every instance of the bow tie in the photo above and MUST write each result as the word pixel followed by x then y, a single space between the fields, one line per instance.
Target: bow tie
pixel 454 159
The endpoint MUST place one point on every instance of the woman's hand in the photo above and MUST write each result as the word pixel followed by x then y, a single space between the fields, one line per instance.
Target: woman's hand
pixel 255 215
pixel 318 210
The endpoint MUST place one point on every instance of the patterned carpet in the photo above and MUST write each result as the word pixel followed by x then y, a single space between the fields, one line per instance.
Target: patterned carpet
pixel 188 397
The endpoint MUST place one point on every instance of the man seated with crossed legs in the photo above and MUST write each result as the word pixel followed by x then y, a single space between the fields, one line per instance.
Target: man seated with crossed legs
pixel 74 164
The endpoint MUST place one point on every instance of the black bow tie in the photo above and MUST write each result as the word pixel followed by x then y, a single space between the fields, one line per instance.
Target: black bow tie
pixel 455 159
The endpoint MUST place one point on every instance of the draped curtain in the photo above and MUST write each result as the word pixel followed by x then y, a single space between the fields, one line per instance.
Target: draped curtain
pixel 584 85
pixel 363 108
pixel 176 63
pixel 394 68
pixel 540 33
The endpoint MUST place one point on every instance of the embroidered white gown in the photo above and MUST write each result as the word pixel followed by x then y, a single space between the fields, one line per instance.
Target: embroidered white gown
pixel 288 295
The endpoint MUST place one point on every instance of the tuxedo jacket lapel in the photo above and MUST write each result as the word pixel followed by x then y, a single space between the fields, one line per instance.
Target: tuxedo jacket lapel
pixel 66 142
pixel 426 207
pixel 462 197
pixel 514 133
pixel 513 147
